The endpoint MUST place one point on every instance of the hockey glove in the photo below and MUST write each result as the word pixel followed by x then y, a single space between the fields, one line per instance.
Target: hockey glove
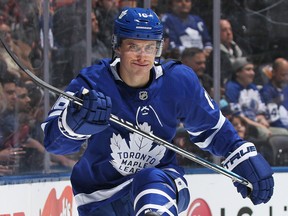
pixel 90 118
pixel 246 162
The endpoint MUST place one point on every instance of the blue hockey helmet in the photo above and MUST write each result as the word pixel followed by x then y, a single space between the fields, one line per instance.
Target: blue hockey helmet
pixel 137 23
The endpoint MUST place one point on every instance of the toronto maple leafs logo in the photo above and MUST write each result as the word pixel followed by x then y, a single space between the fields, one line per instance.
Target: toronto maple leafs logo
pixel 139 154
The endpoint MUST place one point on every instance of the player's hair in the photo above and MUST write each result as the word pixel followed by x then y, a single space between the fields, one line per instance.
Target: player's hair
pixel 138 23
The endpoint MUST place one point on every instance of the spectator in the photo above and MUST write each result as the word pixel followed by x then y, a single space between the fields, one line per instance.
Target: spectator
pixel 3 67
pixel 229 51
pixel 185 30
pixel 275 94
pixel 244 132
pixel 2 100
pixel 69 38
pixel 58 4
pixel 17 104
pixel 245 99
pixel 99 50
pixel 8 155
pixel 240 125
pixel 23 100
pixel 242 128
pixel 3 23
pixel 155 6
pixel 50 32
pixel 94 4
pixel 23 108
pixel 28 30
pixel 36 113
pixel 36 58
pixel 15 126
pixel 127 3
pixel 8 84
pixel 106 12
pixel 19 48
pixel 12 13
pixel 225 108
pixel 2 108
pixel 195 58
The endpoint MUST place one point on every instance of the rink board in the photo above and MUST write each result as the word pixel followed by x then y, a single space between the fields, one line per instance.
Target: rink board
pixel 210 193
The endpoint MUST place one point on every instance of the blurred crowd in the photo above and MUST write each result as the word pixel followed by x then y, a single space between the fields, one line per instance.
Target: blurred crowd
pixel 254 93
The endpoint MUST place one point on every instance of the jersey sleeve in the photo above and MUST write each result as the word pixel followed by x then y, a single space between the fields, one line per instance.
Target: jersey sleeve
pixel 56 140
pixel 203 120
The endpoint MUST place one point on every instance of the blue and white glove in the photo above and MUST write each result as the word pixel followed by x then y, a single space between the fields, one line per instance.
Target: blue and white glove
pixel 246 162
pixel 90 118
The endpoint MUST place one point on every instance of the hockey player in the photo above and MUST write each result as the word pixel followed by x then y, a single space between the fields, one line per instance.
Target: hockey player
pixel 123 173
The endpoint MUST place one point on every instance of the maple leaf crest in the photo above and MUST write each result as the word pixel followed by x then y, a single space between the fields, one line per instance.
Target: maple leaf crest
pixel 138 154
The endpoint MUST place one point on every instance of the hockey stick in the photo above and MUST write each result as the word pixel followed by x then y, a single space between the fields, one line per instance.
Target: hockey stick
pixel 235 177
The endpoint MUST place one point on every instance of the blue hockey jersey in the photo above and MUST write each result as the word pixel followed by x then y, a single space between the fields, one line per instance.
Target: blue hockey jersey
pixel 276 100
pixel 245 101
pixel 106 169
pixel 191 32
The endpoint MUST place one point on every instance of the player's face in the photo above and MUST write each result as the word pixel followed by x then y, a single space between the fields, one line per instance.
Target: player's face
pixel 137 58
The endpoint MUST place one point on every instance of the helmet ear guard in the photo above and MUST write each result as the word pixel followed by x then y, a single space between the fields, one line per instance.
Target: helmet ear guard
pixel 159 48
pixel 115 42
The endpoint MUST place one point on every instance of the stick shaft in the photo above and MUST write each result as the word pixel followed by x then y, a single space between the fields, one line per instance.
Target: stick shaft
pixel 130 126
pixel 235 177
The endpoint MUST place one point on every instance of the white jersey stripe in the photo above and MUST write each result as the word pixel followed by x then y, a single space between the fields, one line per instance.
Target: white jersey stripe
pixel 100 195
pixel 207 142
pixel 153 191
pixel 158 207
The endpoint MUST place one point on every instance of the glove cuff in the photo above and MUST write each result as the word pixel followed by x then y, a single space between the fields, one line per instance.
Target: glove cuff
pixel 66 130
pixel 241 154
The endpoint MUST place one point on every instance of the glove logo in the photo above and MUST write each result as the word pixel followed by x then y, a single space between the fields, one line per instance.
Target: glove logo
pixel 239 155
pixel 139 153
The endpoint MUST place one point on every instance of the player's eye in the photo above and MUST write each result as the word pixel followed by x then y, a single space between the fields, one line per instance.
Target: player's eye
pixel 148 49
pixel 133 48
